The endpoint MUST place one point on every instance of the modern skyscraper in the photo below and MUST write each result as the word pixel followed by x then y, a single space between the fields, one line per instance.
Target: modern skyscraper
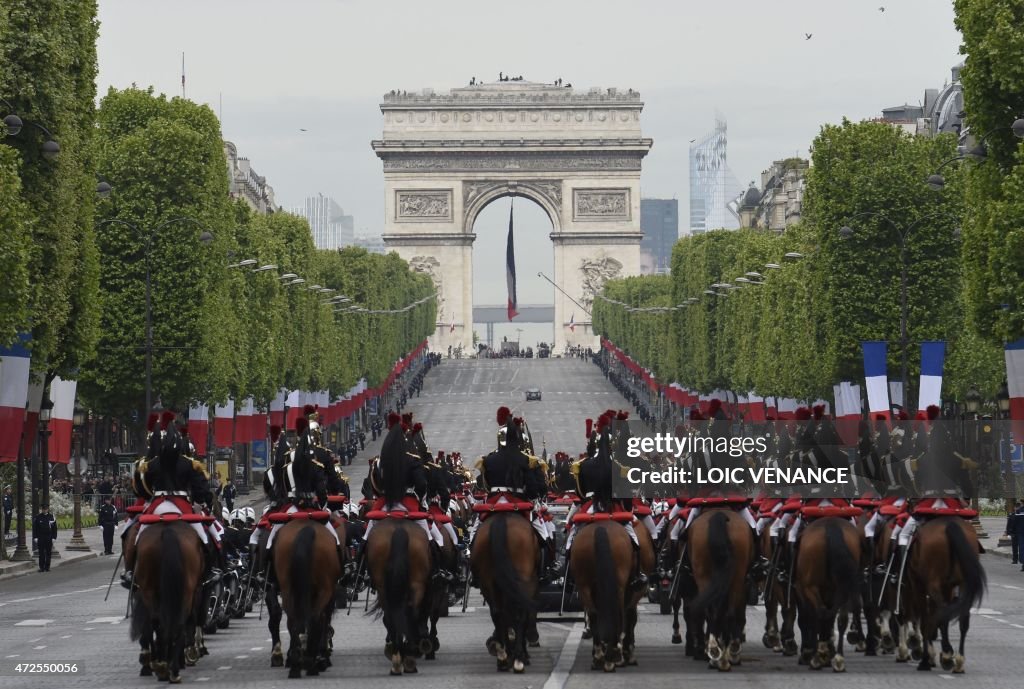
pixel 331 228
pixel 714 190
pixel 659 221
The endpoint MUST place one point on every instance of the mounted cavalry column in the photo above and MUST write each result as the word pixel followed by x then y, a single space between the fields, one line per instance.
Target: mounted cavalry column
pixel 578 156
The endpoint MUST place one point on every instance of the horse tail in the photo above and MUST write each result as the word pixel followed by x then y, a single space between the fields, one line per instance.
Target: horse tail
pixel 720 549
pixel 393 599
pixel 392 465
pixel 172 583
pixel 609 598
pixel 506 577
pixel 299 573
pixel 842 570
pixel 975 581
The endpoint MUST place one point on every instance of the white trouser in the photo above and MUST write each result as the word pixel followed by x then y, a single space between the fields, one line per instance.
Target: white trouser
pixel 168 507
pixel 432 532
pixel 907 532
pixel 277 527
pixel 782 523
pixel 761 523
pixel 451 532
pixel 794 531
pixel 648 523
pixel 873 523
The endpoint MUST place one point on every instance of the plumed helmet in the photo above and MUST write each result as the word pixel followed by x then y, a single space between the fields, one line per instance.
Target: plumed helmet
pixel 933 412
pixel 502 415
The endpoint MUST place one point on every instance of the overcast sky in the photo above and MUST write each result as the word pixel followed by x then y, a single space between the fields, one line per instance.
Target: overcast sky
pixel 279 66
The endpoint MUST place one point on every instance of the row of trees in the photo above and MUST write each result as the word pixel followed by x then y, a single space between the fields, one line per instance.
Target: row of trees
pixel 75 267
pixel 799 332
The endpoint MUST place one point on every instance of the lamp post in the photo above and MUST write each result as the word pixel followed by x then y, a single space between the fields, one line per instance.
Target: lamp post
pixel 77 542
pixel 205 237
pixel 903 234
pixel 14 124
pixel 45 413
pixel 978 152
pixel 1003 402
pixel 21 552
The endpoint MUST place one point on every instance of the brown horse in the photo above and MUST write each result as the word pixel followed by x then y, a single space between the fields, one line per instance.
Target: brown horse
pixel 945 580
pixel 602 565
pixel 504 560
pixel 721 548
pixel 439 591
pixel 398 559
pixel 827 582
pixel 305 557
pixel 169 563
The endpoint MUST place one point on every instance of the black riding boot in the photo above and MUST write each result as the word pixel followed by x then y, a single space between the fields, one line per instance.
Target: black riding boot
pixel 667 559
pixel 437 570
pixel 638 581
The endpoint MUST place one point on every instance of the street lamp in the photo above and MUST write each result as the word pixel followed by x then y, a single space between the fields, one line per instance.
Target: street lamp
pixel 973 401
pixel 287 276
pixel 14 124
pixel 244 264
pixel 1003 400
pixel 103 189
pixel 77 542
pixel 205 238
pixel 45 413
pixel 978 152
pixel 846 232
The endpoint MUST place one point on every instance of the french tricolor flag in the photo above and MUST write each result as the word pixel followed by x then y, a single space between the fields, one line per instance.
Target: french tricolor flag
pixel 875 377
pixel 224 424
pixel 199 426
pixel 933 355
pixel 14 374
pixel 1014 353
pixel 510 270
pixel 277 408
pixel 848 411
pixel 62 393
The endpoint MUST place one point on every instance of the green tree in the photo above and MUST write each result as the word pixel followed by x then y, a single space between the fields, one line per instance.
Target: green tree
pixel 48 53
pixel 993 82
pixel 14 249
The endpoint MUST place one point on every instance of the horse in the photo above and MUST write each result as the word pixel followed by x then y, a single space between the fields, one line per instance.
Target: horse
pixel 721 547
pixel 504 560
pixel 778 638
pixel 438 593
pixel 602 563
pixel 169 563
pixel 398 559
pixel 945 580
pixel 305 558
pixel 827 583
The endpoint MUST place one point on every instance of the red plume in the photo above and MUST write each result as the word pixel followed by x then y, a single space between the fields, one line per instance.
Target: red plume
pixel 183 430
pixel 695 415
pixel 275 433
pixel 308 409
pixel 880 417
pixel 393 419
pixel 714 406
pixel 933 412
pixel 819 411
pixel 166 419
pixel 590 427
pixel 301 424
pixel 921 416
pixel 802 414
pixel 602 423
pixel 903 415
pixel 440 454
pixel 152 421
pixel 503 414
pixel 407 419
pixel 622 416
pixel 518 421
pixel 417 427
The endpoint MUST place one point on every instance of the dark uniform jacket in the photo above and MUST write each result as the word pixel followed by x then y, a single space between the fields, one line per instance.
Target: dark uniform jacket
pixel 44 529
pixel 108 515
pixel 509 469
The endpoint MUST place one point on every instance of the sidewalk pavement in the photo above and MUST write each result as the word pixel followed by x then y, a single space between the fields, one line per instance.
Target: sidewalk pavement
pixel 93 536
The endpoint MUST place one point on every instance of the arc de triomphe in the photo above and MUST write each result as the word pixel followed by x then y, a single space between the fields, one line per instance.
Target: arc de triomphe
pixel 447 156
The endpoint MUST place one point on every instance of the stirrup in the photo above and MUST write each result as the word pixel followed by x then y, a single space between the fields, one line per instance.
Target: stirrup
pixel 126 579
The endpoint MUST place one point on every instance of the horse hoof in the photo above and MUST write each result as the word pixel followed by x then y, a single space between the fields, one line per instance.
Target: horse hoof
pixel 389 650
pixel 503 665
pixel 860 646
pixel 533 643
pixel 587 634
pixel 435 645
pixel 724 665
pixel 838 664
pixel 946 661
pixel 958 664
pixel 395 673
pixel 789 647
pixel 409 666
pixel 430 656
pixel 914 641
pixel 924 666
pixel 902 657
pixel 176 679
pixel 276 661
pixel 492 646
pixel 146 672
pixel 518 666
pixel 915 654
pixel 677 639
pixel 426 646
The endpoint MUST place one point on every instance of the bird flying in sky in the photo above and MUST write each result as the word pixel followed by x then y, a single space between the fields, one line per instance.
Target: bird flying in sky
pixel 808 36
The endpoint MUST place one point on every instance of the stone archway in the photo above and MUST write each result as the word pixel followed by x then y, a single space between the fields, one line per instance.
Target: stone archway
pixel 578 156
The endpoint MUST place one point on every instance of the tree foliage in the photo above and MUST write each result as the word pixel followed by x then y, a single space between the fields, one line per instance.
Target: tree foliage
pixel 993 83
pixel 798 332
pixel 48 53
pixel 14 249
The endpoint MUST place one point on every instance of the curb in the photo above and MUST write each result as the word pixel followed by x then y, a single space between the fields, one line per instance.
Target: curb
pixel 19 569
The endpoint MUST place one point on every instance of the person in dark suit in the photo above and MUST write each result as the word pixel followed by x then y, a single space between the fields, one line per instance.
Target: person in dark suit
pixel 108 520
pixel 44 533
pixel 228 494
pixel 8 509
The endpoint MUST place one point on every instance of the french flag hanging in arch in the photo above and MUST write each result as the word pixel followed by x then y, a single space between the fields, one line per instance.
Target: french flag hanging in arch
pixel 1014 353
pixel 876 377
pixel 510 270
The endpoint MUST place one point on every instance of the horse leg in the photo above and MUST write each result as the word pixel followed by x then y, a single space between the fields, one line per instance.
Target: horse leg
pixel 629 640
pixel 787 635
pixel 296 646
pixel 838 661
pixel 958 659
pixel 808 633
pixel 146 654
pixel 927 649
pixel 770 638
pixel 946 657
pixel 902 650
pixel 274 613
pixel 676 639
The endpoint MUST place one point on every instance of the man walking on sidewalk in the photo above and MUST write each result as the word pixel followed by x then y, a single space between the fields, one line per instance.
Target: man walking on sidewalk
pixel 108 520
pixel 44 533
pixel 8 509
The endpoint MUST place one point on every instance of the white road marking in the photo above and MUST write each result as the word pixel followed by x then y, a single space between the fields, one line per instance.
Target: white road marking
pixel 1012 587
pixel 38 648
pixel 66 636
pixel 202 679
pixel 52 595
pixel 241 657
pixel 987 611
pixel 566 658
pixel 13 655
pixel 32 623
pixel 224 667
pixel 946 676
pixel 35 641
pixel 106 620
pixel 257 648
pixel 88 629
pixel 1017 626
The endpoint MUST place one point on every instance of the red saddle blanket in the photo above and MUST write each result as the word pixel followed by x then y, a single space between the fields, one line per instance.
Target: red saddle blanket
pixel 965 512
pixel 620 517
pixel 718 501
pixel 174 517
pixel 135 509
pixel 816 512
pixel 867 503
pixel 374 515
pixel 438 516
pixel 322 516
pixel 336 501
